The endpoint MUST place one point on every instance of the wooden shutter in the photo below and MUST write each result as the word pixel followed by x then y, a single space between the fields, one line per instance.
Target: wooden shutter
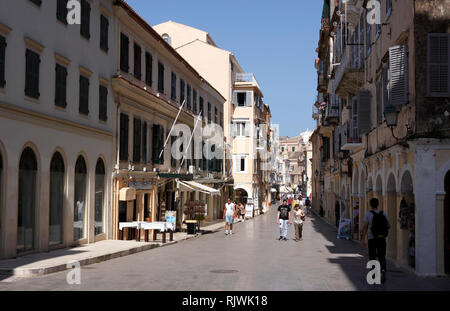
pixel 235 99
pixel 2 61
pixel 247 129
pixel 103 103
pixel 248 99
pixel 161 144
pixel 155 143
pixel 438 65
pixel 123 153
pixel 160 77
pixel 124 53
pixel 194 100
pixel 61 11
pixel 385 87
pixel 104 26
pixel 144 142
pixel 84 95
pixel 364 99
pixel 60 86
pixel 398 74
pixel 32 74
pixel 85 19
pixel 137 61
pixel 148 68
pixel 137 140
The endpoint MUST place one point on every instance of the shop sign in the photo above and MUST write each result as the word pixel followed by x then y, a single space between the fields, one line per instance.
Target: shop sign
pixel 171 216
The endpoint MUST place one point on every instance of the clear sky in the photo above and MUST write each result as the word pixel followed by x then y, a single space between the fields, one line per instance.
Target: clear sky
pixel 276 40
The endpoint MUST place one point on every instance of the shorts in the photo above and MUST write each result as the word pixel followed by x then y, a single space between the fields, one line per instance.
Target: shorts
pixel 229 219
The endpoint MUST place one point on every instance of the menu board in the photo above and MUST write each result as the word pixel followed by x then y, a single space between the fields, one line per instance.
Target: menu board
pixel 171 216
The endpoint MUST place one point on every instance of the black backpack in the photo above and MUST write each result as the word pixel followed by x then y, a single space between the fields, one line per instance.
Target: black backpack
pixel 379 225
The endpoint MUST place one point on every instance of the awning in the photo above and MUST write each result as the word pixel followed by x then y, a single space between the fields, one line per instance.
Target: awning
pixel 127 194
pixel 194 186
pixel 285 189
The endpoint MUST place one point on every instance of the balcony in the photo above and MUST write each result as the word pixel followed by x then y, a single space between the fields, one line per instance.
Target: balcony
pixel 332 113
pixel 350 136
pixel 349 75
pixel 322 82
pixel 245 79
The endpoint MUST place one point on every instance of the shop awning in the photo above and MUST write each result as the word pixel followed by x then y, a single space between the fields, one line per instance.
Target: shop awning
pixel 194 186
pixel 127 194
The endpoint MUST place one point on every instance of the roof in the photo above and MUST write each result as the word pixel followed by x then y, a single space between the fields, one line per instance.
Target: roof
pixel 205 33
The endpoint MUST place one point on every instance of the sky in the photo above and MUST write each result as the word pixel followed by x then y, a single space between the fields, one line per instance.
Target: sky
pixel 275 40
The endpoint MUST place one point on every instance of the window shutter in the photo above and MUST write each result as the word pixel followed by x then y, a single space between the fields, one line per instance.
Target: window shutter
pixel 148 68
pixel 364 99
pixel 124 52
pixel 235 100
pixel 247 129
pixel 137 140
pixel 161 144
pixel 248 99
pixel 155 143
pixel 438 65
pixel 123 153
pixel 137 61
pixel 233 129
pixel 398 73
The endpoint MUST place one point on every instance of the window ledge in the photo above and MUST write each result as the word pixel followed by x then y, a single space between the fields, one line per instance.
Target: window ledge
pixel 32 99
pixel 60 108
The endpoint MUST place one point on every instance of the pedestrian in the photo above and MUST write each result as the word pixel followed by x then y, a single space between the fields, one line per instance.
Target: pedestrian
pixel 229 214
pixel 376 226
pixel 299 218
pixel 283 218
pixel 241 211
pixel 308 205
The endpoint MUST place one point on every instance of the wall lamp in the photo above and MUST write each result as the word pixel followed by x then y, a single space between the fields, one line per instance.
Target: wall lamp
pixel 391 115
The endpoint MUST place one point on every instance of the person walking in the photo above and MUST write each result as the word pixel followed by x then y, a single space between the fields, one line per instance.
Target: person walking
pixel 283 218
pixel 376 227
pixel 241 211
pixel 299 218
pixel 229 214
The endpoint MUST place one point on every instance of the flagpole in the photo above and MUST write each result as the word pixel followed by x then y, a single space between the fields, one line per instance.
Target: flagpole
pixel 170 132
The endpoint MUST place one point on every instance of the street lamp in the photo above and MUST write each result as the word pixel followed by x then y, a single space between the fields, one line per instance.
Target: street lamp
pixel 391 115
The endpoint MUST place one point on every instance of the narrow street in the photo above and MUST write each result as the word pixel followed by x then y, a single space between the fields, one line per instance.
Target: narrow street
pixel 251 259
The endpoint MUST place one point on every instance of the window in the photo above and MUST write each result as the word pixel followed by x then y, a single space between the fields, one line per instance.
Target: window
pixel 293 149
pixel 438 65
pixel 60 86
pixel 137 140
pixel 99 196
pixel 173 89
pixel 57 171
pixel 209 112
pixel 221 119
pixel 240 163
pixel 144 142
pixel 160 77
pixel 194 103
pixel 241 129
pixel 282 149
pixel 124 52
pixel 215 115
pixel 26 201
pixel 241 99
pixel 157 144
pixel 188 98
pixel 37 2
pixel 32 74
pixel 104 26
pixel 137 61
pixel 124 129
pixel 173 161
pixel 103 103
pixel 85 19
pixel 61 11
pixel 202 113
pixel 84 95
pixel 398 75
pixel 79 199
pixel 182 91
pixel 2 61
pixel 148 68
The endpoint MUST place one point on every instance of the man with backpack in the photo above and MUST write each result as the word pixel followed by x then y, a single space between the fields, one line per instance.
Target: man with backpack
pixel 376 226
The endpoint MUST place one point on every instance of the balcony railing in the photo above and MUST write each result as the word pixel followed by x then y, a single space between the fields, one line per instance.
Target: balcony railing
pixel 246 78
pixel 349 75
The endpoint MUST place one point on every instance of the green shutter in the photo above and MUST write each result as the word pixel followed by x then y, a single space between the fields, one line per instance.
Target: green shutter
pixel 398 75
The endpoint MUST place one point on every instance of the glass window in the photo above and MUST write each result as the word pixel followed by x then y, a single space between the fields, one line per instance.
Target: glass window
pixel 99 196
pixel 80 199
pixel 27 201
pixel 61 11
pixel 85 19
pixel 56 199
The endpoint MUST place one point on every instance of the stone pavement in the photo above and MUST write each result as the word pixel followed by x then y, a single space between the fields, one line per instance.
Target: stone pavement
pixel 251 259
pixel 57 260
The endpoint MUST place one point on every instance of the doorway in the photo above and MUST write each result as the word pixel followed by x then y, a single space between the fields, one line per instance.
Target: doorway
pixel 447 223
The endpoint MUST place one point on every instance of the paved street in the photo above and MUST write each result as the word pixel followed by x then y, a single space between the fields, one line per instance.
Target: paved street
pixel 251 259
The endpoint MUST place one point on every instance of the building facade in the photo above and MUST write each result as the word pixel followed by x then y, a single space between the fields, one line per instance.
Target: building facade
pixel 382 123
pixel 57 121
pixel 246 116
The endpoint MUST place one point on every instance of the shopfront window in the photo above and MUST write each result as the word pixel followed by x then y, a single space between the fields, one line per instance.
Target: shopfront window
pixel 80 199
pixel 27 201
pixel 56 199
pixel 99 196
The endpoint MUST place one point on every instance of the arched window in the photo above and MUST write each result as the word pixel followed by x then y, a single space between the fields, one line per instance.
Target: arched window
pixel 56 199
pixel 27 201
pixel 166 38
pixel 80 199
pixel 99 196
